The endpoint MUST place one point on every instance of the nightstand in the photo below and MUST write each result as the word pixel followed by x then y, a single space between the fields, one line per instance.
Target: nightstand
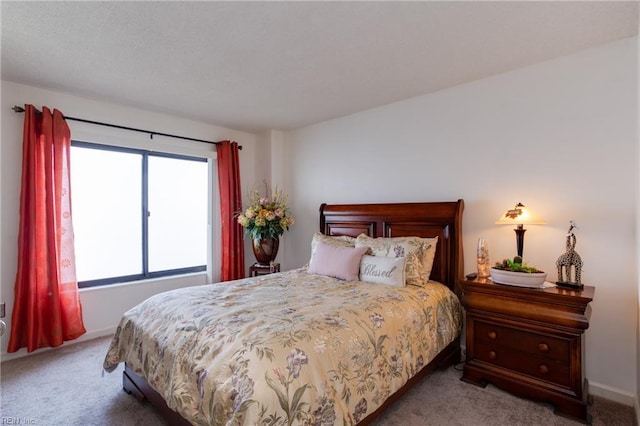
pixel 258 269
pixel 528 342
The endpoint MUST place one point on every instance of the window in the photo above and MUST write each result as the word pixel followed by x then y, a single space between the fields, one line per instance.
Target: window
pixel 137 214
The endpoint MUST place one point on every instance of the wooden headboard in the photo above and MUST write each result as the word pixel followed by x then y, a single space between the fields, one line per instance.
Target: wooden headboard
pixel 441 219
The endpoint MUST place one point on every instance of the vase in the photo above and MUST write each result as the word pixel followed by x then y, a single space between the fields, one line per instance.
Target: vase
pixel 483 258
pixel 265 249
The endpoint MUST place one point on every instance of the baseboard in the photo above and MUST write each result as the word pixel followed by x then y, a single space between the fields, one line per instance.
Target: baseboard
pixel 613 394
pixel 87 336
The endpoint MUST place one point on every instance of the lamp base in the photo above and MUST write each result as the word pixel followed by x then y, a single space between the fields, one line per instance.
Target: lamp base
pixel 520 238
pixel 570 285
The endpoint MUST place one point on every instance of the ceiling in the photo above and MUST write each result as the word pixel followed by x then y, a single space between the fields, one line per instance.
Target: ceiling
pixel 282 65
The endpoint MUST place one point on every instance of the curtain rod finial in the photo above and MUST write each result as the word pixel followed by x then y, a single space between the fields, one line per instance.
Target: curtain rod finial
pixel 17 108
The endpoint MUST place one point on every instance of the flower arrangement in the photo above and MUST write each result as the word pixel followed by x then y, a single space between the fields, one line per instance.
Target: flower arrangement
pixel 266 217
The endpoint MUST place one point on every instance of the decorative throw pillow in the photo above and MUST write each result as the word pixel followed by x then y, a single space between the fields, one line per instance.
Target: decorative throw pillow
pixel 419 254
pixel 333 240
pixel 383 270
pixel 336 261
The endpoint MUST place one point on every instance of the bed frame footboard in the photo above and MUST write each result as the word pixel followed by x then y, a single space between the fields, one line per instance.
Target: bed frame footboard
pixel 138 387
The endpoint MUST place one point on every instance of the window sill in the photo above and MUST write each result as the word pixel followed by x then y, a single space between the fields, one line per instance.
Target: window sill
pixel 174 281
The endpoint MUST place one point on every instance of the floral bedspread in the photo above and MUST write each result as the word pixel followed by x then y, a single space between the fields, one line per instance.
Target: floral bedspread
pixel 287 348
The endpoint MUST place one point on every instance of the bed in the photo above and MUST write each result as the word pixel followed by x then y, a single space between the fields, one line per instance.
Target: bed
pixel 301 347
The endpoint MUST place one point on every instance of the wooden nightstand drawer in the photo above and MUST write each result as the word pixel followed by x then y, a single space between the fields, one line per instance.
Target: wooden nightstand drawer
pixel 528 341
pixel 522 341
pixel 532 365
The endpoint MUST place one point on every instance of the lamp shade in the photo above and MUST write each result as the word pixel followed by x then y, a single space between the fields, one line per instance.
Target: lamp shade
pixel 520 215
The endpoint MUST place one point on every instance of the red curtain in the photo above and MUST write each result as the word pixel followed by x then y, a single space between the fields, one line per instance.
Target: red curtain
pixel 46 309
pixel 230 205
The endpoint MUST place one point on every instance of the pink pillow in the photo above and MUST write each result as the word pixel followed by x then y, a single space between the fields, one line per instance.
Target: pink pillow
pixel 335 261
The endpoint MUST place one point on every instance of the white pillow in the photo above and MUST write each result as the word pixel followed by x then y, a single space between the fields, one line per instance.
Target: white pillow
pixel 383 270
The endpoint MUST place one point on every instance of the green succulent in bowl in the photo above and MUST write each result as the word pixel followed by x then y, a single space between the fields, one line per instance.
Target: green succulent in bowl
pixel 516 265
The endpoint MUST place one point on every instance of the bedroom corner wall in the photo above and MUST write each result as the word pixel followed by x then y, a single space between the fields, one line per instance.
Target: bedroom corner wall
pixel 269 168
pixel 102 306
pixel 560 136
pixel 637 400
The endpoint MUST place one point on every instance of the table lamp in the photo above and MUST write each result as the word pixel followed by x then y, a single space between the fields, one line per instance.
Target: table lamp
pixel 520 216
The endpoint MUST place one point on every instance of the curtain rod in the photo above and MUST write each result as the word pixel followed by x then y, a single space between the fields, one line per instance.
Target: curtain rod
pixel 19 109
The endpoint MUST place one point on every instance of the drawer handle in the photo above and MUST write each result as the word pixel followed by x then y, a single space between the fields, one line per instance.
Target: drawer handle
pixel 543 347
pixel 492 335
pixel 543 369
pixel 492 355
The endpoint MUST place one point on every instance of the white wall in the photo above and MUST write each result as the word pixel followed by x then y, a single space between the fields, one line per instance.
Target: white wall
pixel 102 307
pixel 559 136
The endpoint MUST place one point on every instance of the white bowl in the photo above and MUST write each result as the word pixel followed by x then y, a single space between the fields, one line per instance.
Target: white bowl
pixel 520 279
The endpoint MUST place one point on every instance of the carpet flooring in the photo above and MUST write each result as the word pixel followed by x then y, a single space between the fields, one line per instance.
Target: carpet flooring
pixel 66 387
